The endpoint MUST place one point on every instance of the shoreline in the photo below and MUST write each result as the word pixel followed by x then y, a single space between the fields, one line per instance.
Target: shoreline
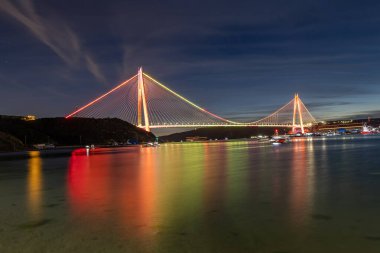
pixel 53 152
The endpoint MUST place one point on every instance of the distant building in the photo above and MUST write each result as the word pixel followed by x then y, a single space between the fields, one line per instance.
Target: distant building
pixel 29 117
pixel 25 118
pixel 343 125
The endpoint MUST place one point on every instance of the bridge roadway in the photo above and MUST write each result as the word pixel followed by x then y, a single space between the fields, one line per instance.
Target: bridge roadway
pixel 225 125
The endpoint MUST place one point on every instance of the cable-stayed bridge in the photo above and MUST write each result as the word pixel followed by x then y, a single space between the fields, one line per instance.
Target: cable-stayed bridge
pixel 147 103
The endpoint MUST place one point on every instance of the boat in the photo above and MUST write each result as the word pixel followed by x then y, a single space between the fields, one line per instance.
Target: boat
pixel 152 144
pixel 366 130
pixel 279 140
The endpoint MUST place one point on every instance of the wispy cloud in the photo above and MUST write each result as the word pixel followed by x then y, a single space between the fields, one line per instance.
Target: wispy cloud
pixel 361 115
pixel 324 104
pixel 94 68
pixel 54 33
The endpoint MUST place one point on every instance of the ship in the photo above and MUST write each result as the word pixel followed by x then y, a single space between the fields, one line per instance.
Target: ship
pixel 366 130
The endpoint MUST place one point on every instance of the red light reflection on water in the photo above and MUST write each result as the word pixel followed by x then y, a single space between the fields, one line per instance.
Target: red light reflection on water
pixel 103 189
pixel 88 183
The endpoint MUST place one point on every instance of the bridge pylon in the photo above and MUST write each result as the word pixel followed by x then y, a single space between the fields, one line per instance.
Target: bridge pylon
pixel 142 108
pixel 297 108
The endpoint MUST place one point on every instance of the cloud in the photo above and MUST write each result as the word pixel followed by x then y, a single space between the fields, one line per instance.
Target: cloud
pixel 343 90
pixel 324 104
pixel 93 67
pixel 53 33
pixel 363 114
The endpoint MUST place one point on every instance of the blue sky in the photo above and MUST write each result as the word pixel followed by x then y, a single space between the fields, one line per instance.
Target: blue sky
pixel 239 59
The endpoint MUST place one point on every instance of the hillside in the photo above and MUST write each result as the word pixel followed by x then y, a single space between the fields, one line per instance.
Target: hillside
pixel 74 131
pixel 10 143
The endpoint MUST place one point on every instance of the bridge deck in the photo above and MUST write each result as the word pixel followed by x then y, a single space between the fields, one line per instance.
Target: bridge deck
pixel 221 125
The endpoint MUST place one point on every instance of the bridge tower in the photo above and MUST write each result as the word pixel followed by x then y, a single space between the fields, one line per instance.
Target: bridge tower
pixel 297 108
pixel 142 108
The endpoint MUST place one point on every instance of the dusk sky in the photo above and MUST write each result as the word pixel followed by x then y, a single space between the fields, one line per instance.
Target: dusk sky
pixel 239 59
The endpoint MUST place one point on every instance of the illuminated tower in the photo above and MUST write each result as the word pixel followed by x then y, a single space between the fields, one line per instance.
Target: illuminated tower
pixel 297 108
pixel 142 108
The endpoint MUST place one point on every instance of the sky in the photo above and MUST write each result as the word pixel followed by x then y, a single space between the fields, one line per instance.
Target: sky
pixel 239 59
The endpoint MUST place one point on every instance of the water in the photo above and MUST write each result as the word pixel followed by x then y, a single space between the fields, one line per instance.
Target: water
pixel 308 196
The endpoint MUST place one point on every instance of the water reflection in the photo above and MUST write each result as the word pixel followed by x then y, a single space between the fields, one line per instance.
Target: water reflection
pixel 146 189
pixel 237 169
pixel 116 189
pixel 181 189
pixel 298 191
pixel 211 197
pixel 302 181
pixel 214 178
pixel 35 184
pixel 138 196
pixel 306 196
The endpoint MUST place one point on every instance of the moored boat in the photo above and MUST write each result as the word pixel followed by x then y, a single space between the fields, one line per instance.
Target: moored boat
pixel 280 139
pixel 152 144
pixel 366 130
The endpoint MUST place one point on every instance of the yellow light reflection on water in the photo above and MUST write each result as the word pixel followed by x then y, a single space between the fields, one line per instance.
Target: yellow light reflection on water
pixel 35 182
pixel 237 162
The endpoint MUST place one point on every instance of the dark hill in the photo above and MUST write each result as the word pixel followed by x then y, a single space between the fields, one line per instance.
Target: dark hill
pixel 10 143
pixel 74 131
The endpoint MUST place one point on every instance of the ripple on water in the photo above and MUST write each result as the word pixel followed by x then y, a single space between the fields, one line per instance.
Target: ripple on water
pixel 372 238
pixel 35 224
pixel 321 217
pixel 51 205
